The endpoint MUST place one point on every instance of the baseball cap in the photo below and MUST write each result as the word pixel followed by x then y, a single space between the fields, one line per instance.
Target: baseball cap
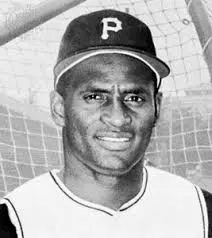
pixel 107 32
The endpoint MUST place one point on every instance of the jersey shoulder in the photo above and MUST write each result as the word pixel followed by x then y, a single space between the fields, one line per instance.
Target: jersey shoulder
pixel 31 188
pixel 12 203
pixel 185 187
pixel 168 180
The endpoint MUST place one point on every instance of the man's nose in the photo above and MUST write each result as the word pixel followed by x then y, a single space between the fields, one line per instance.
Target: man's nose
pixel 116 114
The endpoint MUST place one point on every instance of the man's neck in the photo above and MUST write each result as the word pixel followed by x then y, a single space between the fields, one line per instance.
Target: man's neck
pixel 108 191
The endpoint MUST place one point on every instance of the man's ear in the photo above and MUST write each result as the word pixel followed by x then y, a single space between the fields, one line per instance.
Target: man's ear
pixel 57 108
pixel 158 102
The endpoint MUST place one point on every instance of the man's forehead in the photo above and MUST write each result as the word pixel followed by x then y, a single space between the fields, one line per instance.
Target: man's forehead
pixel 107 70
pixel 96 85
pixel 120 83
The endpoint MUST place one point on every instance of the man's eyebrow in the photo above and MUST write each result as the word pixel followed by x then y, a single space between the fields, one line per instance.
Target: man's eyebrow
pixel 97 89
pixel 138 90
pixel 94 89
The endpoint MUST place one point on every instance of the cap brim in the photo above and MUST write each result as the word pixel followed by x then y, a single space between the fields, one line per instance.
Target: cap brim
pixel 160 68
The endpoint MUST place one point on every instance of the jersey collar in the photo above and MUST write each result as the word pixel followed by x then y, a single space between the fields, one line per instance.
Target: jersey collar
pixel 99 207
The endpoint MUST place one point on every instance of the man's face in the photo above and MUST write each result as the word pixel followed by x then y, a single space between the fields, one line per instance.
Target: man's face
pixel 109 113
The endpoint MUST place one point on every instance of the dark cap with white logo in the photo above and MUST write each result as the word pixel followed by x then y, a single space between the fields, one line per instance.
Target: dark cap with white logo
pixel 107 32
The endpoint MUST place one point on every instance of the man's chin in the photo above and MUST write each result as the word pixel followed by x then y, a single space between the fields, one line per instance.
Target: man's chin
pixel 113 169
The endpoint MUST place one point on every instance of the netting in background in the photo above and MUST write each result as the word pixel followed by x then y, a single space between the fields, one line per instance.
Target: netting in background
pixel 30 143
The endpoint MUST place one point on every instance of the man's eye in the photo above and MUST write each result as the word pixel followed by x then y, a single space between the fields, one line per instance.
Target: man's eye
pixel 134 99
pixel 91 98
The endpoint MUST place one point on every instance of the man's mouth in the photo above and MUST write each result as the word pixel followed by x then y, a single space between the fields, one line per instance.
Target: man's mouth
pixel 114 141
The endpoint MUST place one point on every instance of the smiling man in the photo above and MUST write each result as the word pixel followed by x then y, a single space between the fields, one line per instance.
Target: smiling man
pixel 107 101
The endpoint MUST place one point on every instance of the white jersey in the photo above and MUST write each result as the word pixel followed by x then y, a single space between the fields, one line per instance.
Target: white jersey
pixel 166 206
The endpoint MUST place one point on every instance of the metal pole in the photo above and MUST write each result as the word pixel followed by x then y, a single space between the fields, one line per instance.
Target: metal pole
pixel 31 14
pixel 203 27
